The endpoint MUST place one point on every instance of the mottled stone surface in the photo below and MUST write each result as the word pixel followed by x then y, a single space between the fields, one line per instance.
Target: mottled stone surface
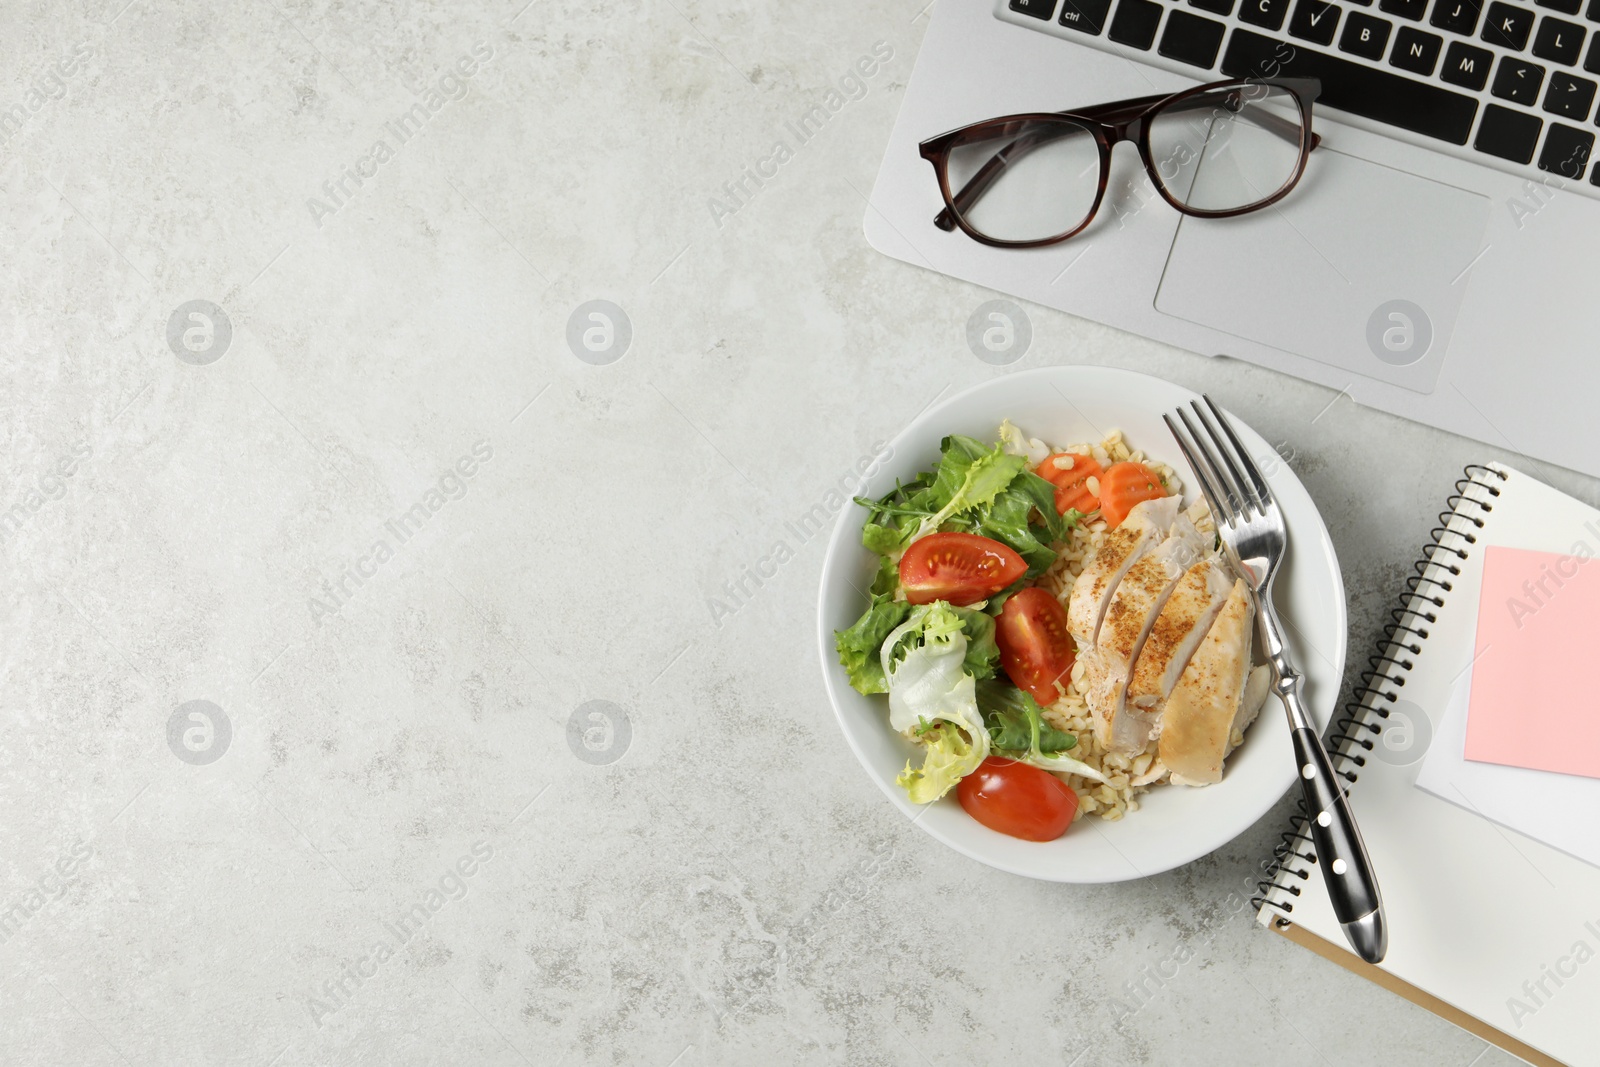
pixel 714 882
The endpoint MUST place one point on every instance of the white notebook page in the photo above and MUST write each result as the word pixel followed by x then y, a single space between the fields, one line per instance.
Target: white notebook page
pixel 1495 923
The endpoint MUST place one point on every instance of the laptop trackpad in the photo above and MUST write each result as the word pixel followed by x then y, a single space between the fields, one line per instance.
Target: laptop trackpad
pixel 1360 267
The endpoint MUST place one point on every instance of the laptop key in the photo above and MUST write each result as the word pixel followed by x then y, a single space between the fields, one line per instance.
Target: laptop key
pixel 1134 24
pixel 1314 20
pixel 1517 80
pixel 1416 51
pixel 1406 9
pixel 1266 13
pixel 1570 7
pixel 1365 36
pixel 1221 7
pixel 1191 39
pixel 1566 151
pixel 1508 26
pixel 1086 16
pixel 1508 134
pixel 1039 9
pixel 1457 16
pixel 1357 88
pixel 1466 65
pixel 1569 96
pixel 1591 62
pixel 1558 41
pixel 1592 13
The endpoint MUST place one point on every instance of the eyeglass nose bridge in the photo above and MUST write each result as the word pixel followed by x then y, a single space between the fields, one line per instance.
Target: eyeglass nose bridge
pixel 1117 132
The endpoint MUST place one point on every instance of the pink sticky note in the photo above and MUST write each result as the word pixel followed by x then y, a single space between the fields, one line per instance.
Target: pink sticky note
pixel 1535 701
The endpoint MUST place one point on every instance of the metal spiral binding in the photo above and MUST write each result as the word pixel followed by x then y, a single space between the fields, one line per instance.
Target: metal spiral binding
pixel 1385 674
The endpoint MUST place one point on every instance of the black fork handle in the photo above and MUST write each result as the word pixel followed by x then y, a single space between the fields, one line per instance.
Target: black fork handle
pixel 1340 852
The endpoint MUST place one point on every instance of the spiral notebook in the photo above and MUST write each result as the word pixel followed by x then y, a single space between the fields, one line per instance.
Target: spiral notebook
pixel 1488 927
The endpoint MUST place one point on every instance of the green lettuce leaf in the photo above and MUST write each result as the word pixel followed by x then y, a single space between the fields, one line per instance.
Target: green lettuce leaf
pixel 887 580
pixel 971 481
pixel 1009 520
pixel 983 655
pixel 1017 730
pixel 1006 521
pixel 884 540
pixel 975 489
pixel 957 454
pixel 893 518
pixel 859 645
pixel 1016 722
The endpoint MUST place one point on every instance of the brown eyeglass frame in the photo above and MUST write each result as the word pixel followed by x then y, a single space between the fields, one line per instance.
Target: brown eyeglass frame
pixel 1111 124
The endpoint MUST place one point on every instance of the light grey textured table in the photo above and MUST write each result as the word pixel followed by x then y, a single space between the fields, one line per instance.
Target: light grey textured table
pixel 397 834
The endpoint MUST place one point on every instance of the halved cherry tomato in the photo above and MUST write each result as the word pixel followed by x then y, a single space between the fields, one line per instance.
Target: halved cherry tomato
pixel 961 568
pixel 1016 799
pixel 1035 648
pixel 1125 485
pixel 1071 492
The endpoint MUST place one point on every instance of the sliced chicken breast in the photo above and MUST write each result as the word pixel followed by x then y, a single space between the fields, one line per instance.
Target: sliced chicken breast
pixel 1134 606
pixel 1256 688
pixel 1205 707
pixel 1140 532
pixel 1177 632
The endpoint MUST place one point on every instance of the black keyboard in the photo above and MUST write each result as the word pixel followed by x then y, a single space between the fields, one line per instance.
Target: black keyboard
pixel 1507 82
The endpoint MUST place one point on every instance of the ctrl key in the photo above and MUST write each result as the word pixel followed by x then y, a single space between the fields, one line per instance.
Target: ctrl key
pixel 1086 16
pixel 1508 134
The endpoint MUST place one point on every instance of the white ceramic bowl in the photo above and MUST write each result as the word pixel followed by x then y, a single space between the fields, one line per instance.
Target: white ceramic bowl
pixel 1174 824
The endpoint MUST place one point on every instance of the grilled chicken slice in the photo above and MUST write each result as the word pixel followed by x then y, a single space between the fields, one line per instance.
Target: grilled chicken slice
pixel 1177 632
pixel 1256 688
pixel 1134 606
pixel 1140 532
pixel 1212 702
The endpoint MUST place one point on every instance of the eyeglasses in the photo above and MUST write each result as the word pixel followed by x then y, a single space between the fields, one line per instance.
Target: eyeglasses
pixel 1213 151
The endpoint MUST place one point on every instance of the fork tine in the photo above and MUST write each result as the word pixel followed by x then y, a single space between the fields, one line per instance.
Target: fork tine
pixel 1232 504
pixel 1219 503
pixel 1237 481
pixel 1263 492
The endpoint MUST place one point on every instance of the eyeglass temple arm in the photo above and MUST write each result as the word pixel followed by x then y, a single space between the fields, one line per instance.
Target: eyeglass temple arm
pixel 1277 124
pixel 1127 110
pixel 1122 110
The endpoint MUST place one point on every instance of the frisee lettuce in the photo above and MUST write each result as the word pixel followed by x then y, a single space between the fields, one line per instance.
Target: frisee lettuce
pixel 924 660
pixel 950 757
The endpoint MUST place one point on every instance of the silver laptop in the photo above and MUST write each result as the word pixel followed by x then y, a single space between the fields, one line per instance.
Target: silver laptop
pixel 1440 259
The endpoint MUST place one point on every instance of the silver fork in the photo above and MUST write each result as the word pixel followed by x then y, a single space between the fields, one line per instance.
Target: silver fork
pixel 1254 540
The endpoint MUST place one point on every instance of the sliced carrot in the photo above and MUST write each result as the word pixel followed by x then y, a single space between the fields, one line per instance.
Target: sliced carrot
pixel 1069 473
pixel 1125 485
